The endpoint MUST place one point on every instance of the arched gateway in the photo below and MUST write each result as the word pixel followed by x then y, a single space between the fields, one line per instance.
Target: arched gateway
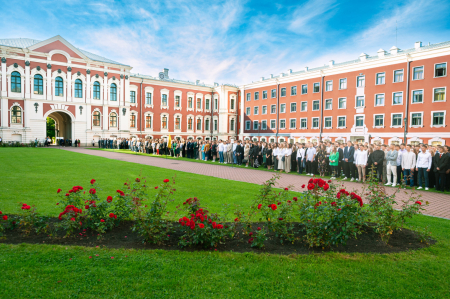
pixel 63 123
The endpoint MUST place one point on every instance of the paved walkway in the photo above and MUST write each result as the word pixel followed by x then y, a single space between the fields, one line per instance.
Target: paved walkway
pixel 439 203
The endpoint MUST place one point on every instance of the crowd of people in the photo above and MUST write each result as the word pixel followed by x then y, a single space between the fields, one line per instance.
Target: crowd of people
pixel 421 165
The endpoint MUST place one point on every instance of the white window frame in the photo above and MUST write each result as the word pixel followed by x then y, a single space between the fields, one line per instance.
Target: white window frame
pixel 281 92
pixel 340 83
pixel 301 106
pixel 264 98
pixel 356 102
pixel 306 119
pixel 290 107
pixel 247 99
pixel 295 86
pixel 357 77
pixel 326 85
pixel 394 92
pixel 410 119
pixel 375 100
pixel 256 96
pixel 364 120
pixel 255 110
pixel 262 110
pixel 271 106
pixel 314 86
pixel 282 119
pixel 434 70
pixel 345 106
pixel 423 72
pixel 384 121
pixel 175 94
pixel 281 110
pixel 306 89
pixel 312 123
pixel 263 125
pixel 313 105
pixel 257 125
pixel 248 125
pixel 167 93
pixel 325 123
pixel 423 96
pixel 337 119
pixel 290 123
pixel 274 121
pixel 432 116
pixel 248 111
pixel 393 79
pixel 392 120
pixel 445 97
pixel 271 93
pixel 376 78
pixel 326 104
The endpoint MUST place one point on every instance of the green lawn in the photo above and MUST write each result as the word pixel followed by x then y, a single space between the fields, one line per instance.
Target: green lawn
pixel 49 271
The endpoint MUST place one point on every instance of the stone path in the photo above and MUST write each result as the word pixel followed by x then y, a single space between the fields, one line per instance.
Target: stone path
pixel 439 203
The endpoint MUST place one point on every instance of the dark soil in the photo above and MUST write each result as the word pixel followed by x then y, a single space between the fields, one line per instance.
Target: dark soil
pixel 123 237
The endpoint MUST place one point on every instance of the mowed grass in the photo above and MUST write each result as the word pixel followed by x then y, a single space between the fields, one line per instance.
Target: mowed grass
pixel 50 271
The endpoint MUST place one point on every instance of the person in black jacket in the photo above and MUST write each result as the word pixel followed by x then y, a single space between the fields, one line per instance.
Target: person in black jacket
pixel 340 149
pixel 377 158
pixel 441 165
pixel 239 153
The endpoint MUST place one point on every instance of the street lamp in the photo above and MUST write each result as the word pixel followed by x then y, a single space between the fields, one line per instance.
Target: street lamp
pixel 405 121
pixel 36 105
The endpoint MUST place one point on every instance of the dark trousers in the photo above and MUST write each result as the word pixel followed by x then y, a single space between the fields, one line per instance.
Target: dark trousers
pixel 379 171
pixel 309 167
pixel 299 165
pixel 399 175
pixel 239 159
pixel 408 177
pixel 441 180
pixel 354 171
pixel 340 168
pixel 335 171
pixel 423 173
pixel 347 167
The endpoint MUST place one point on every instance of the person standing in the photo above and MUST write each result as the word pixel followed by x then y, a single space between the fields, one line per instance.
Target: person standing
pixel 269 156
pixel 287 158
pixel 233 150
pixel 238 153
pixel 300 158
pixel 334 162
pixel 221 149
pixel 408 165
pixel 281 156
pixel 391 167
pixel 423 166
pixel 310 157
pixel 246 154
pixel 348 158
pixel 361 162
pixel 441 163
pixel 275 150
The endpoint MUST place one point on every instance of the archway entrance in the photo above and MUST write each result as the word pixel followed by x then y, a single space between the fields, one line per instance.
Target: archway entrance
pixel 62 125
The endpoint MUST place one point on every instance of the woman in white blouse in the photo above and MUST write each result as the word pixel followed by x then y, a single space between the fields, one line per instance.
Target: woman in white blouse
pixel 275 156
pixel 287 158
pixel 281 153
pixel 361 162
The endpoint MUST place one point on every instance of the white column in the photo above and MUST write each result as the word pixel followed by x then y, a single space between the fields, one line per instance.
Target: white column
pixel 27 84
pixel 4 89
pixel 241 125
pixel 4 107
pixel 105 117
pixel 88 88
pixel 105 90
pixel 120 91
pixel 49 84
pixel 69 86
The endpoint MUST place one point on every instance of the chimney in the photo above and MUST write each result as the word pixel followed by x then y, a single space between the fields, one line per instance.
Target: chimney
pixel 197 82
pixel 166 73
pixel 394 50
pixel 271 76
pixel 262 78
pixel 417 45
pixel 381 53
pixel 216 84
pixel 281 75
pixel 331 63
pixel 306 68
pixel 289 71
pixel 363 56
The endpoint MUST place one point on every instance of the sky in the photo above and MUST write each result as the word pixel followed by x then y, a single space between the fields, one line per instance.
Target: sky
pixel 234 42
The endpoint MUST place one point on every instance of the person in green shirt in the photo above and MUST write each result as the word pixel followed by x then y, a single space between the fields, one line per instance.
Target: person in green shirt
pixel 334 161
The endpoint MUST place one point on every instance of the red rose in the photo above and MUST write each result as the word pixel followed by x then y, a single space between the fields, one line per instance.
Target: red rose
pixel 109 199
pixel 329 181
pixel 57 203
pixel 92 191
pixel 86 207
pixel 333 203
pixel 250 240
pixel 101 220
pixel 111 215
pixel 59 190
pixel 311 181
pixel 5 217
pixel 303 186
pixel 166 180
pixel 418 202
pixel 338 195
pixel 258 228
pixel 280 218
pixel 286 189
pixel 156 187
pixel 236 220
pixel 274 207
pixel 326 187
pixel 250 234
pixel 201 225
pixel 67 194
pixel 137 180
pixel 1 212
pixel 259 206
pixel 295 198
pixel 92 182
pixel 72 219
pixel 339 209
pixel 311 186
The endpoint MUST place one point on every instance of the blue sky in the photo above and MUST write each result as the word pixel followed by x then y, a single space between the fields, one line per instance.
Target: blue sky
pixel 228 41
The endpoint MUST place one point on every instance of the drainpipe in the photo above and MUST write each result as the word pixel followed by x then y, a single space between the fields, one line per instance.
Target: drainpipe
pixel 408 75
pixel 140 108
pixel 321 107
pixel 211 122
pixel 278 109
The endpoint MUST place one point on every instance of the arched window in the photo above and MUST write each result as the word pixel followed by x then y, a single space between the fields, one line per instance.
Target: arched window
pixel 190 102
pixel 38 84
pixel 96 90
pixel 96 119
pixel 215 104
pixel 113 119
pixel 148 121
pixel 16 82
pixel 78 88
pixel 59 87
pixel 133 121
pixel 177 123
pixel 190 123
pixel 232 124
pixel 164 122
pixel 199 124
pixel 16 115
pixel 113 96
pixel 232 104
pixel 207 104
pixel 164 100
pixel 207 124
pixel 199 103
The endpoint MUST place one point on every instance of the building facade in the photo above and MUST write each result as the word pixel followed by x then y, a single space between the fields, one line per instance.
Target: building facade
pixel 376 99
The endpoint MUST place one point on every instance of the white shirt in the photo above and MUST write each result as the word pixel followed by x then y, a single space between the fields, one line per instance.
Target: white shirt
pixel 399 157
pixel 310 153
pixel 408 160
pixel 234 146
pixel 221 147
pixel 361 157
pixel 281 152
pixel 301 153
pixel 288 151
pixel 355 155
pixel 275 152
pixel 424 160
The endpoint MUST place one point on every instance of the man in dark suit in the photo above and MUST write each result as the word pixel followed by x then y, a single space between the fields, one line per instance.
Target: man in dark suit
pixel 340 149
pixel 196 150
pixel 349 152
pixel 188 147
pixel 441 162
pixel 238 153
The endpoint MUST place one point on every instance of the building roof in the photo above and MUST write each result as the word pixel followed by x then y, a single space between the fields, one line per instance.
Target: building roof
pixel 28 42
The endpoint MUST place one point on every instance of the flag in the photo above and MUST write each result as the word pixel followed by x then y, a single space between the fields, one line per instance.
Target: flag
pixel 169 144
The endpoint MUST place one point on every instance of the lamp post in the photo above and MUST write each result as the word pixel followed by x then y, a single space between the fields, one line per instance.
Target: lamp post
pixel 405 121
pixel 36 105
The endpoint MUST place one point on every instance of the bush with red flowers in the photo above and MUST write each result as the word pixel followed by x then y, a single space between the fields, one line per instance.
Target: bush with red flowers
pixel 30 221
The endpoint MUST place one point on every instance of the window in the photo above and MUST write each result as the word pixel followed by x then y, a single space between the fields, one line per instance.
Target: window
pixel 360 121
pixel 247 111
pixel 177 123
pixel 315 122
pixel 293 90
pixel 283 92
pixel 164 100
pixel 199 103
pixel 304 106
pixel 264 125
pixel 78 88
pixel 177 101
pixel 96 119
pixel 379 100
pixel 232 104
pixel 113 92
pixel 216 101
pixel 207 124
pixel 272 124
pixel 440 70
pixel 247 125
pixel 341 122
pixel 16 82
pixel 398 76
pixel 293 107
pixel 360 81
pixel 190 102
pixel 397 98
pixel 207 104
pixel 379 120
pixel 328 104
pixel 264 94
pixel 303 123
pixel 316 105
pixel 256 95
pixel 274 93
pixel 255 110
pixel 16 115
pixel 273 109
pixel 113 119
pixel 164 122
pixel 255 125
pixel 417 96
pixel 148 121
pixel 97 93
pixel 439 95
pixel 232 124
pixel 380 78
pixel 190 123
pixel 38 84
pixel 316 87
pixel 418 73
pixel 342 103
pixel 199 124
pixel 132 95
pixel 59 87
pixel 133 121
pixel 343 83
pixel 215 125
pixel 264 109
pixel 282 124
pixel 359 102
pixel 292 123
pixel 396 120
pixel 248 97
pixel 416 119
pixel 282 108
pixel 304 88
pixel 438 118
pixel 329 86
pixel 327 122
pixel 148 99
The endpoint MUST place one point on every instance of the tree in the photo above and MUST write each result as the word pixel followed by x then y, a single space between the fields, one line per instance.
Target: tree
pixel 50 127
